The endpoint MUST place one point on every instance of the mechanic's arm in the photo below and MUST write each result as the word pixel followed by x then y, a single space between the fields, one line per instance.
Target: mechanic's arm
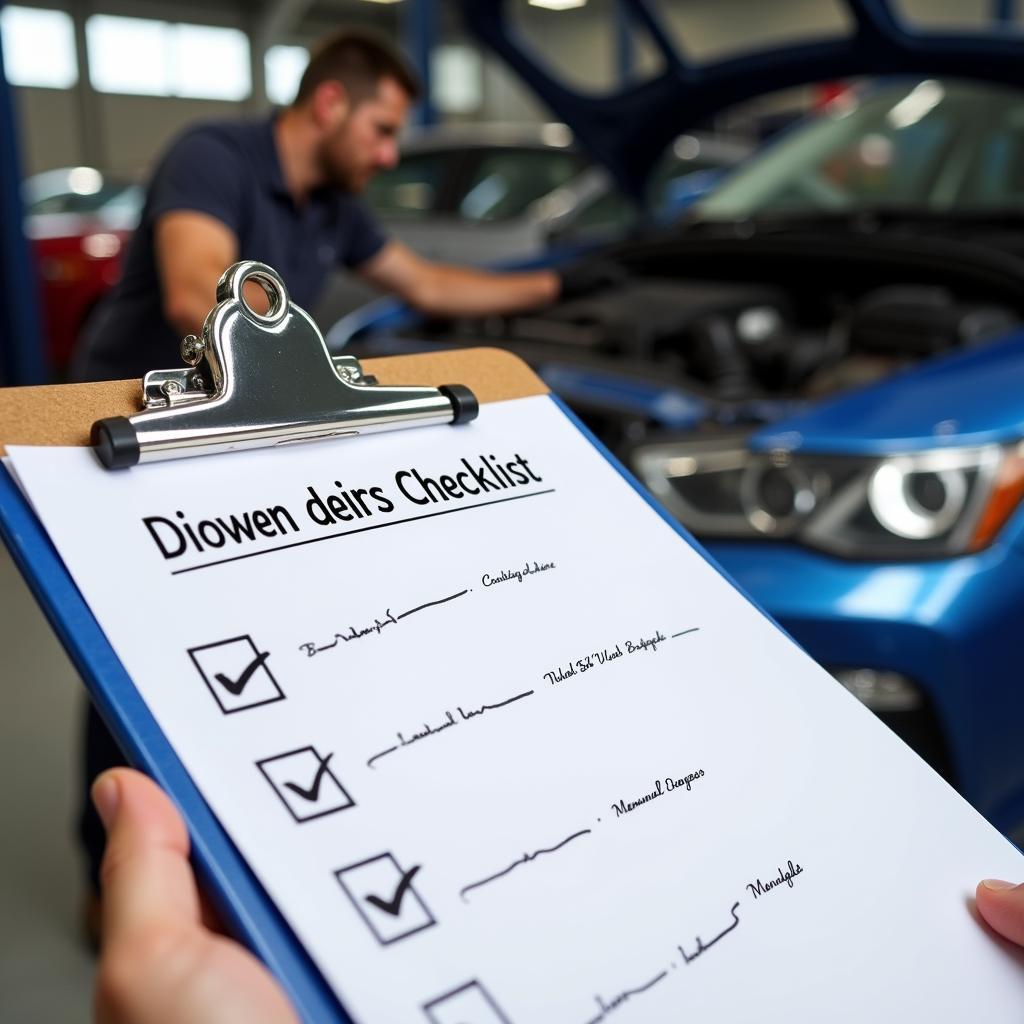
pixel 192 251
pixel 441 290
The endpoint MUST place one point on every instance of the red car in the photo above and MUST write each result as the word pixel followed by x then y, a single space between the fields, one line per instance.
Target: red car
pixel 78 222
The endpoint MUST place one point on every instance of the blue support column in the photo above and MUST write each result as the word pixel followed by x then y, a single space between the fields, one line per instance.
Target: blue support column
pixel 1004 10
pixel 21 340
pixel 419 37
pixel 625 55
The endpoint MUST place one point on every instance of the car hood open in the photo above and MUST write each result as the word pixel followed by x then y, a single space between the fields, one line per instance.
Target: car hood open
pixel 627 129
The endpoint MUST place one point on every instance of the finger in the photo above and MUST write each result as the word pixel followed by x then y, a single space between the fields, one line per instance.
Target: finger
pixel 1001 904
pixel 146 877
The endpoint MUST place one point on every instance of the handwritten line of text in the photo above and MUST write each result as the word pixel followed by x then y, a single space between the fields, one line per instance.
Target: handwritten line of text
pixel 525 859
pixel 312 649
pixel 447 723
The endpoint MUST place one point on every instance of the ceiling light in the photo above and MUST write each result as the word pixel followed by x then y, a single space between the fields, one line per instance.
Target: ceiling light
pixel 557 5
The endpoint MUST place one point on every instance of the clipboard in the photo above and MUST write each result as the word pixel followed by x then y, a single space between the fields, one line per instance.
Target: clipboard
pixel 65 415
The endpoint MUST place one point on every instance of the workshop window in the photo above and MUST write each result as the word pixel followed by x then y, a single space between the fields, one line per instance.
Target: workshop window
pixel 38 47
pixel 210 63
pixel 128 55
pixel 158 58
pixel 282 69
pixel 456 74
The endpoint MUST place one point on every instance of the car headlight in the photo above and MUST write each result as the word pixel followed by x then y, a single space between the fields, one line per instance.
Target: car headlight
pixel 926 504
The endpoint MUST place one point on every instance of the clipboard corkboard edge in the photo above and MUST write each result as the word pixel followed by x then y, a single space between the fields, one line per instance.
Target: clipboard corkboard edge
pixel 63 414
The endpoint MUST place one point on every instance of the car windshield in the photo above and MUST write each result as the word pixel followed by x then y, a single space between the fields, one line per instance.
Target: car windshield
pixel 927 146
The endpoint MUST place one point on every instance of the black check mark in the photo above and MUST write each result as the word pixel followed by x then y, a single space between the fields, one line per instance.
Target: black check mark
pixel 393 905
pixel 313 792
pixel 235 687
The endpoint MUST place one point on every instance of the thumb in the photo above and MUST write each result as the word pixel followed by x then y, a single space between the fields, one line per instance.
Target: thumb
pixel 1001 904
pixel 146 877
pixel 159 964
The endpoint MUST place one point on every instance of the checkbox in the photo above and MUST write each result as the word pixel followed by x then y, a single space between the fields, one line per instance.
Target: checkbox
pixel 383 894
pixel 236 673
pixel 305 783
pixel 469 1004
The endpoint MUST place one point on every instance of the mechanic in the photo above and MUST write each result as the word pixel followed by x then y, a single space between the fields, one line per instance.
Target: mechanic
pixel 161 960
pixel 282 190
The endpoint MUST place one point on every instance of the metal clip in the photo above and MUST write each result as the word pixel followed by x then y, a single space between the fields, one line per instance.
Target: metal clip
pixel 262 379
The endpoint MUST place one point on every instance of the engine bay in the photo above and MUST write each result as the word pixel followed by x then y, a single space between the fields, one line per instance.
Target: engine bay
pixel 750 328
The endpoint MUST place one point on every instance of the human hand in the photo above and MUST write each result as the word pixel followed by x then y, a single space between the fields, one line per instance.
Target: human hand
pixel 160 959
pixel 1001 904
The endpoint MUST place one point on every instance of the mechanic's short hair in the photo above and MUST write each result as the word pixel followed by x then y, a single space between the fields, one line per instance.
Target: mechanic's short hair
pixel 359 60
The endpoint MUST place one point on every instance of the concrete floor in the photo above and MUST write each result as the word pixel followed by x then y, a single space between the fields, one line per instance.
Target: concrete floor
pixel 46 969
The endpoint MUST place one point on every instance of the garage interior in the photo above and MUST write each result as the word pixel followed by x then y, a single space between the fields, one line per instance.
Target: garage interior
pixel 105 85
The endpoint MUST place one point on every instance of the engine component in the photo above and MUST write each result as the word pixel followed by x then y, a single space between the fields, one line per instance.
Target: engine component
pixel 922 321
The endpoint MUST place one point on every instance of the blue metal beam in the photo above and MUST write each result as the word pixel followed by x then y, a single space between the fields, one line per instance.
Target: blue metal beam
pixel 624 48
pixel 21 340
pixel 1004 10
pixel 419 37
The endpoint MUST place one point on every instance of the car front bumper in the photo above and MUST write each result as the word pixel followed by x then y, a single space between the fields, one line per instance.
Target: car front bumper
pixel 949 627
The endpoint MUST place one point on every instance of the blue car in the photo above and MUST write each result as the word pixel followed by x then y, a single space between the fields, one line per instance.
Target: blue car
pixel 820 371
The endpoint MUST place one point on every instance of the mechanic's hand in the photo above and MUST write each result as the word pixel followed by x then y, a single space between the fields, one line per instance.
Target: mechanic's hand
pixel 580 279
pixel 1001 904
pixel 159 960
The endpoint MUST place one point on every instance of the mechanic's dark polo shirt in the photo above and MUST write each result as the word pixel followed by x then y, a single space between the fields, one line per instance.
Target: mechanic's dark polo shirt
pixel 230 171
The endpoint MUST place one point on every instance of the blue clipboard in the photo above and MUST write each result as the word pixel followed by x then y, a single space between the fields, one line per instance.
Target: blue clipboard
pixel 246 909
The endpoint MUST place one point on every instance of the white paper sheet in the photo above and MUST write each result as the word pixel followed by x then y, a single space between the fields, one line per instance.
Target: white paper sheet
pixel 525 756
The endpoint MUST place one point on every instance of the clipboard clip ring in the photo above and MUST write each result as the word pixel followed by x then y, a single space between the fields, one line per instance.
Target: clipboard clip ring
pixel 231 283
pixel 257 380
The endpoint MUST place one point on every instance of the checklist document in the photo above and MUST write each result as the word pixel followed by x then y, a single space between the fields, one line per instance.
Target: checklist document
pixel 504 747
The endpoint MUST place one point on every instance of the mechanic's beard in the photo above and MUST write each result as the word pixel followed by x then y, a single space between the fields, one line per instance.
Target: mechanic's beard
pixel 338 175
